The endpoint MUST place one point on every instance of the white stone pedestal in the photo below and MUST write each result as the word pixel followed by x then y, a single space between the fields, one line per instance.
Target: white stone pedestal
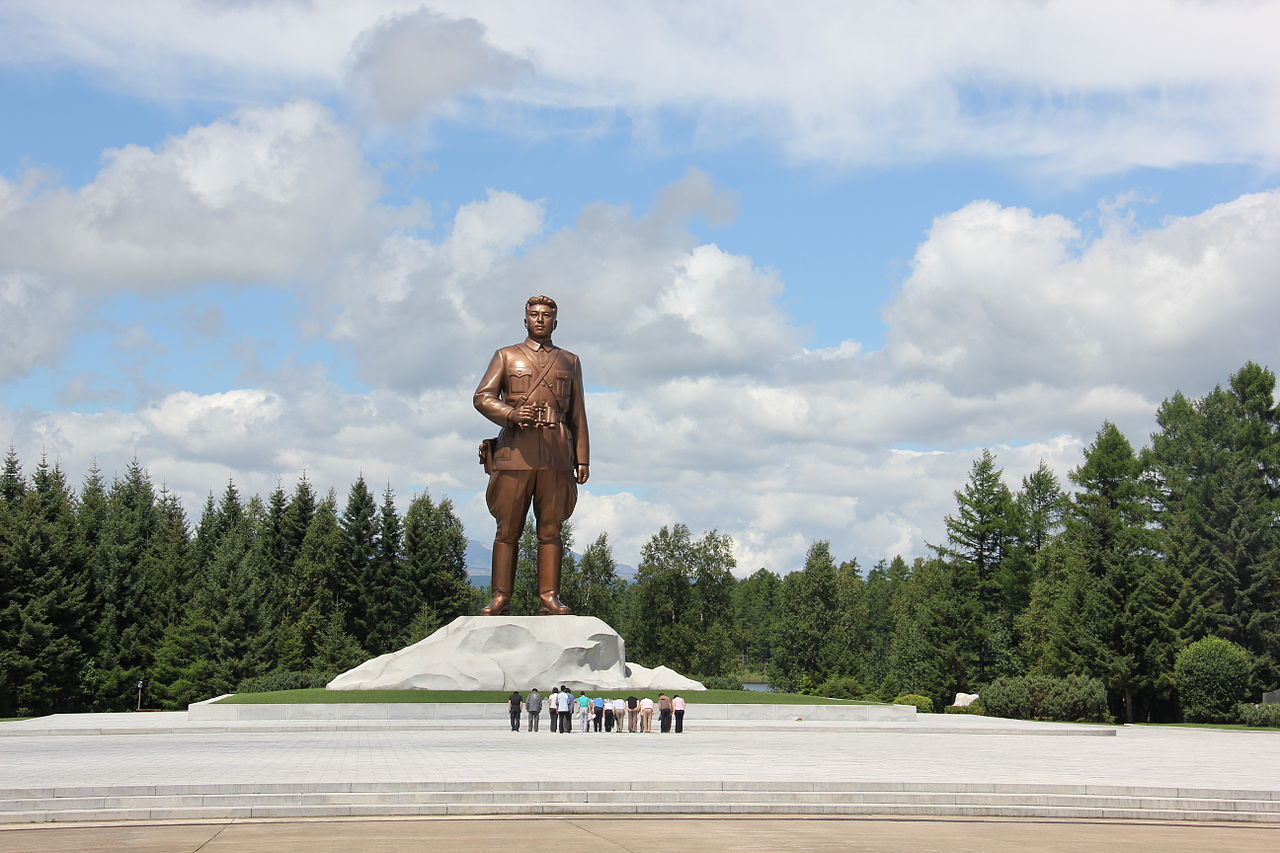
pixel 513 653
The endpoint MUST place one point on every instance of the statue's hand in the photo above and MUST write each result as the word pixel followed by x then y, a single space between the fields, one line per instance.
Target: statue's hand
pixel 583 472
pixel 524 416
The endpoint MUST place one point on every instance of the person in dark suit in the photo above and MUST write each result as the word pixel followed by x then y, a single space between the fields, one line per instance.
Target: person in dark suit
pixel 533 391
pixel 513 705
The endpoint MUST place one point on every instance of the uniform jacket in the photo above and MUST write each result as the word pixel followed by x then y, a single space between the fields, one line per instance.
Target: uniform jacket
pixel 509 377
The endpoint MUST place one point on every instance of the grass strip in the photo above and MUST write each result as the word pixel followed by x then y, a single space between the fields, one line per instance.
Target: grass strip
pixel 1237 727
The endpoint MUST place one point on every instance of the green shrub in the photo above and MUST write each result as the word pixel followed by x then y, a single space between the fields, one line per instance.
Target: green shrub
pixel 841 687
pixel 923 703
pixel 284 680
pixel 1075 698
pixel 720 682
pixel 1259 715
pixel 974 707
pixel 1212 676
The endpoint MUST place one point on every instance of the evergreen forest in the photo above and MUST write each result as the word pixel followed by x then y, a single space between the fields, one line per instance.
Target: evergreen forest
pixel 112 597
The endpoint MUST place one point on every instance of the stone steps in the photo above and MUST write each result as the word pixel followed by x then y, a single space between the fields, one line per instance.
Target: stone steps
pixel 221 802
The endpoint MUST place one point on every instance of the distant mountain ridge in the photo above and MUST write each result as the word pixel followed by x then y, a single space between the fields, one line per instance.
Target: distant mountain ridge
pixel 480 562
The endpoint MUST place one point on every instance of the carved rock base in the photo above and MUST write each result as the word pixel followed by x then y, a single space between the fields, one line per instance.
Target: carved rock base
pixel 513 653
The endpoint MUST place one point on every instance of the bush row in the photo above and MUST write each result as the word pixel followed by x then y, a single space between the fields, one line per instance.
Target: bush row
pixel 1075 698
pixel 284 680
pixel 1259 715
pixel 923 703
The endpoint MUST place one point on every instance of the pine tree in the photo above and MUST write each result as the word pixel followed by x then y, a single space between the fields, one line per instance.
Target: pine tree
pixel 435 556
pixel 297 518
pixel 524 595
pixel 390 605
pixel 12 484
pixel 599 587
pixel 359 532
pixel 275 578
pixel 802 642
pixel 120 595
pixel 1216 469
pixel 658 632
pixel 163 568
pixel 1110 532
pixel 928 655
pixel 980 537
pixel 42 617
pixel 755 609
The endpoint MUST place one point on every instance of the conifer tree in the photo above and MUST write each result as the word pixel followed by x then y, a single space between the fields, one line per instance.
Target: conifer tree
pixel 435 553
pixel 359 530
pixel 928 655
pixel 598 585
pixel 524 596
pixel 389 604
pixel 1125 594
pixel 803 639
pixel 1216 469
pixel 41 622
pixel 755 610
pixel 980 538
pixel 658 632
pixel 120 596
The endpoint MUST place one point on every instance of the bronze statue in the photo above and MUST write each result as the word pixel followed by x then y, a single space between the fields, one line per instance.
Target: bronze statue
pixel 533 390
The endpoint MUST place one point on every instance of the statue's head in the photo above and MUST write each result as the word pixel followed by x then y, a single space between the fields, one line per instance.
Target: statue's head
pixel 540 316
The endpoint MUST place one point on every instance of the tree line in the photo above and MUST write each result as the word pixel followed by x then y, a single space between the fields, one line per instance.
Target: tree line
pixel 1143 553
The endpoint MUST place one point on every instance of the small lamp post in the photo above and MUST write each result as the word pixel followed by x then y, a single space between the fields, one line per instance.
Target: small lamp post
pixel 139 708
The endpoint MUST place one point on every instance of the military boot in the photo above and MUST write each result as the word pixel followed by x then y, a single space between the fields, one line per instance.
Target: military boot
pixel 504 577
pixel 549 603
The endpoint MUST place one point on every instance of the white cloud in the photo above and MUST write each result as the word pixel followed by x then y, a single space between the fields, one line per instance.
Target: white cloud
pixel 636 293
pixel 271 193
pixel 411 64
pixel 1069 86
pixel 35 319
pixel 1000 297
pixel 1014 331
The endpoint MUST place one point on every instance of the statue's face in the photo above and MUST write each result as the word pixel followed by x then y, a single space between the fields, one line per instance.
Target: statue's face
pixel 540 320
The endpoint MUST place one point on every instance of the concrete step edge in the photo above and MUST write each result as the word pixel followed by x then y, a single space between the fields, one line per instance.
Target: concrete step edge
pixel 869 808
pixel 683 787
pixel 252 800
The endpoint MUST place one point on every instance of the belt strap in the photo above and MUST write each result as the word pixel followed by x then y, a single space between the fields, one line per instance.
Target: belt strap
pixel 541 377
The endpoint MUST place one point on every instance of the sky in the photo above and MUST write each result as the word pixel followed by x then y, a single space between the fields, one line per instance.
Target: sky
pixel 814 256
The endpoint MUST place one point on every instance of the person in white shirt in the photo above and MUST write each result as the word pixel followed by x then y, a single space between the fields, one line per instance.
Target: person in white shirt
pixel 566 709
pixel 646 714
pixel 677 707
pixel 619 708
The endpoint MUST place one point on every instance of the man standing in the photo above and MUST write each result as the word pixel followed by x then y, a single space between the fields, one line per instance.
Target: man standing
pixel 533 704
pixel 533 390
pixel 566 710
pixel 633 713
pixel 513 707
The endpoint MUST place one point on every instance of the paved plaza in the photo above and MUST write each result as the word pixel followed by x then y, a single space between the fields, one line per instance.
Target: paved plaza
pixel 638 835
pixel 952 749
pixel 99 754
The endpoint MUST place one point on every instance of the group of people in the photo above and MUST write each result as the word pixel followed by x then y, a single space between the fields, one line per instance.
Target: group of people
pixel 595 714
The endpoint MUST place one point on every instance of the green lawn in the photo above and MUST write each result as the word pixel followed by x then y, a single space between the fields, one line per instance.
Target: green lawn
pixel 1239 727
pixel 705 697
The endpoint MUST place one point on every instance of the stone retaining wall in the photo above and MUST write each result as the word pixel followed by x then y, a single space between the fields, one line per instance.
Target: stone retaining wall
pixel 212 711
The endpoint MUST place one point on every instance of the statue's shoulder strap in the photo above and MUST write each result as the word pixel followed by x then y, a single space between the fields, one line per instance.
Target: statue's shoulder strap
pixel 542 372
